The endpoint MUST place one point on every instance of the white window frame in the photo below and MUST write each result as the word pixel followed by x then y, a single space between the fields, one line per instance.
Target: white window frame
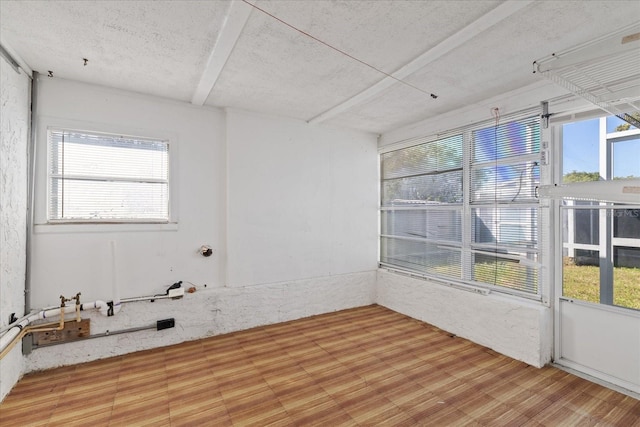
pixel 41 214
pixel 467 247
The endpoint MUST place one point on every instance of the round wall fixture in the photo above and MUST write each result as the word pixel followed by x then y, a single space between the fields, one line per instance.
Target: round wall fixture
pixel 205 250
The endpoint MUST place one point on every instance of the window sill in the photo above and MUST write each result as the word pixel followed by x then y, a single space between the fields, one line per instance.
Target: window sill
pixel 493 291
pixel 103 228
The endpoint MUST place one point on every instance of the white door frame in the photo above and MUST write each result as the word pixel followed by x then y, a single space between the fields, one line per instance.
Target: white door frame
pixel 600 340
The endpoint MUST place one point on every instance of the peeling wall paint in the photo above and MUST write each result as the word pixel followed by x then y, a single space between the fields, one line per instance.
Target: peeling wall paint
pixel 14 137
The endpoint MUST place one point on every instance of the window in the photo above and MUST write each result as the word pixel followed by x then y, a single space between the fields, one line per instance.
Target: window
pixel 422 207
pixel 465 218
pixel 504 174
pixel 601 241
pixel 95 177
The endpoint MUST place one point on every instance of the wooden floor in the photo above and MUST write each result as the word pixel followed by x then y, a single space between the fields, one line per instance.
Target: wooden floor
pixel 366 366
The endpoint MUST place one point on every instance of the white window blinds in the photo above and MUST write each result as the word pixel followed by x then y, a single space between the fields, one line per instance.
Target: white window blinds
pixel 421 213
pixel 468 218
pixel 96 177
pixel 504 175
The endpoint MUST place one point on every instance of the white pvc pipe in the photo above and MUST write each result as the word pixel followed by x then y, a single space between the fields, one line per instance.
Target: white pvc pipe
pixel 149 298
pixel 100 305
pixel 9 334
pixel 15 322
pixel 7 338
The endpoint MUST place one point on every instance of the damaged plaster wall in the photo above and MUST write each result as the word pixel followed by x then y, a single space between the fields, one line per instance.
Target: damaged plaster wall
pixel 14 137
pixel 209 312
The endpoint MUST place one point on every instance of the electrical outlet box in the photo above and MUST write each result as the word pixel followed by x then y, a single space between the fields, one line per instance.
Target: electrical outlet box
pixel 165 324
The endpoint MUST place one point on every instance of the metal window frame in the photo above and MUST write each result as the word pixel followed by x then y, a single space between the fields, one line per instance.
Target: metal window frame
pixel 466 246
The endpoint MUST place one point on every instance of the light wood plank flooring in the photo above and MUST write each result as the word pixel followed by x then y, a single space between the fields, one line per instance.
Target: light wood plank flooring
pixel 367 366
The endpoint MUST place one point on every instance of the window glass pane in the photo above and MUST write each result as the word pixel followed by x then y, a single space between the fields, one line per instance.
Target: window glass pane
pixel 586 225
pixel 601 268
pixel 581 276
pixel 580 151
pixel 626 159
pixel 449 153
pixel 506 140
pixel 495 270
pixel 100 155
pixel 626 277
pixel 614 124
pixel 516 227
pixel 436 156
pixel 104 200
pixel 423 195
pixel 626 223
pixel 581 226
pixel 423 257
pixel 427 224
pixel 425 189
pixel 101 178
pixel 506 183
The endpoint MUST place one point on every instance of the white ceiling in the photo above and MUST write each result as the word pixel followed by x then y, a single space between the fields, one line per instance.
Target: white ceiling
pixel 230 54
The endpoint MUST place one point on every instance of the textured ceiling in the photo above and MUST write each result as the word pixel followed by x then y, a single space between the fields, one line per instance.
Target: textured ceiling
pixel 158 48
pixel 463 51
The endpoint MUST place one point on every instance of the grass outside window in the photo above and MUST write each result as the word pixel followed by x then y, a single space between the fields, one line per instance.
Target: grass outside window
pixel 582 282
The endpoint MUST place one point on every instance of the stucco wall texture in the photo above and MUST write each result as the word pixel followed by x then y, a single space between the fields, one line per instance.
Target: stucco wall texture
pixel 510 326
pixel 14 137
pixel 209 312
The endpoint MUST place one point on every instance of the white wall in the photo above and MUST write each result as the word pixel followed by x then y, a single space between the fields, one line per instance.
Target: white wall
pixel 302 200
pixel 514 327
pixel 14 136
pixel 76 258
pixel 294 204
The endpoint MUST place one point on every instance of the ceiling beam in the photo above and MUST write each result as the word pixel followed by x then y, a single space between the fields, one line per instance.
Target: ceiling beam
pixel 234 22
pixel 472 30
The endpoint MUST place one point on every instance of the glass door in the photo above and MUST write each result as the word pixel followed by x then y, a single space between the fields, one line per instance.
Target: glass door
pixel 598 304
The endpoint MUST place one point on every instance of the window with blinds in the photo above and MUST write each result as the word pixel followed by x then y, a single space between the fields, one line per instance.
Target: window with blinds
pixel 421 212
pixel 467 218
pixel 504 174
pixel 95 177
